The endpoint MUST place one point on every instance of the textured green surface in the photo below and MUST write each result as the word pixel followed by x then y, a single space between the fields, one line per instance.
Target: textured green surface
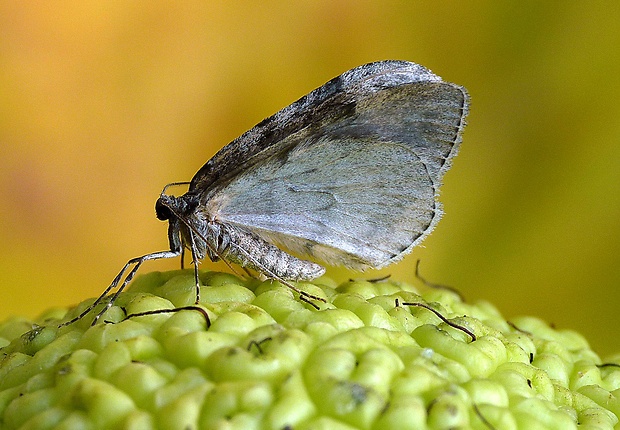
pixel 269 360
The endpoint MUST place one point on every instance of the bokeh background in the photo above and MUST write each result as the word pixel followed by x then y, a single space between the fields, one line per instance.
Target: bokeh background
pixel 102 103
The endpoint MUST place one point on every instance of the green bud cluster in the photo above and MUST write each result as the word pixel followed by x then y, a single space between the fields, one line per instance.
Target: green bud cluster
pixel 367 358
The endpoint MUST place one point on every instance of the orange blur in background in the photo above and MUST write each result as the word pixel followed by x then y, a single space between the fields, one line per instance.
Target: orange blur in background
pixel 102 104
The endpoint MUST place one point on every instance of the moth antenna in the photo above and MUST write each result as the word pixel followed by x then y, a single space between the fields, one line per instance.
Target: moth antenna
pixel 173 184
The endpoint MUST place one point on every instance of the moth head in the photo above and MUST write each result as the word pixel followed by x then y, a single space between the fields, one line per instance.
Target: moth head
pixel 169 207
pixel 162 211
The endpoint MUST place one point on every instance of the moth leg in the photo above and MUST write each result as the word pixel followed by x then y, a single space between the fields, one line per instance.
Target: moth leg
pixel 195 261
pixel 300 292
pixel 134 261
pixel 250 274
pixel 175 251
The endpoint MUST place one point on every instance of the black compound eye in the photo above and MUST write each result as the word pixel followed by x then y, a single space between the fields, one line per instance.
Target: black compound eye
pixel 162 211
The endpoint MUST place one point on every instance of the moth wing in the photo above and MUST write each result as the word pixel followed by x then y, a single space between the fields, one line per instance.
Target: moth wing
pixel 353 178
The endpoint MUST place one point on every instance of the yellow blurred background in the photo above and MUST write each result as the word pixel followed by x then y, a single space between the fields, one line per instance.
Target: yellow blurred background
pixel 102 103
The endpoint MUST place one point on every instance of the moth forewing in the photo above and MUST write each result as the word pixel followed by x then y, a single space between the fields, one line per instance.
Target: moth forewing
pixel 348 174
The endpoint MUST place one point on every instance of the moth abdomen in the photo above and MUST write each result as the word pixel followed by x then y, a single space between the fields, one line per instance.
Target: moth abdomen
pixel 250 250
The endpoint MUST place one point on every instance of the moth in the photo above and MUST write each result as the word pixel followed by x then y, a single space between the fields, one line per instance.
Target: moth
pixel 347 175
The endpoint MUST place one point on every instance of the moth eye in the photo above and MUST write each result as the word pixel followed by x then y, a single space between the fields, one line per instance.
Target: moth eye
pixel 162 211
